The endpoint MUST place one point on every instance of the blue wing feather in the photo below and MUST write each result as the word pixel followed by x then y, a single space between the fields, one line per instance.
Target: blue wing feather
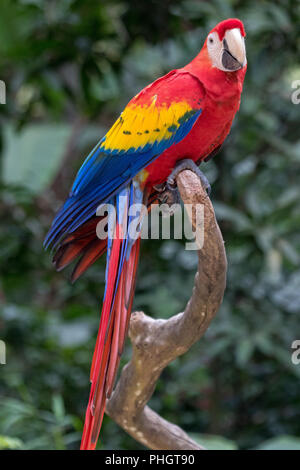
pixel 103 174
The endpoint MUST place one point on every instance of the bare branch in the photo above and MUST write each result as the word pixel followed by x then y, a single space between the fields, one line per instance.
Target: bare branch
pixel 156 343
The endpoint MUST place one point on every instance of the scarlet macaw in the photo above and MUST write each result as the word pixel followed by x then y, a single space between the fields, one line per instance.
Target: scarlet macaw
pixel 184 114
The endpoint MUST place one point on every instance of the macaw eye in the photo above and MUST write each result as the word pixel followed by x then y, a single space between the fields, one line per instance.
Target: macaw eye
pixel 211 40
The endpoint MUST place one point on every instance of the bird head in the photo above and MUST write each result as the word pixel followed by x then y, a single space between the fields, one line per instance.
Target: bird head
pixel 226 45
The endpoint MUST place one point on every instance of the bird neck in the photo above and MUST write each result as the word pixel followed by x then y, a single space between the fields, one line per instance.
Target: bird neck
pixel 219 84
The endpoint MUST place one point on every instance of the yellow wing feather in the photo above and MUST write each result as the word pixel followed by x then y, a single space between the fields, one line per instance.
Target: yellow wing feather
pixel 140 125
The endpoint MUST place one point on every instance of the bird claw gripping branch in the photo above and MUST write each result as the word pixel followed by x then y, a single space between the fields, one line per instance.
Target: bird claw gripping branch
pixel 188 164
pixel 167 194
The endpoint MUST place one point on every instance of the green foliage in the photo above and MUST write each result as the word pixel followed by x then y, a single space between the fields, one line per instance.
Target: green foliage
pixel 43 429
pixel 69 61
pixel 281 443
pixel 9 443
pixel 210 442
pixel 23 163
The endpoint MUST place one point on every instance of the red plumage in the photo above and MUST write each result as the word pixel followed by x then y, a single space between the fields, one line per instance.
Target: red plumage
pixel 230 23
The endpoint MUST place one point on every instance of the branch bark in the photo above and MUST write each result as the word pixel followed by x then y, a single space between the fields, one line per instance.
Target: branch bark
pixel 156 343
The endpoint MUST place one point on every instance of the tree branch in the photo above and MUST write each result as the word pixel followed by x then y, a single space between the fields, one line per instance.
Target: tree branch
pixel 156 343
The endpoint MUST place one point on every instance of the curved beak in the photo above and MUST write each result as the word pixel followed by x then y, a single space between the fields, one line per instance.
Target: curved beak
pixel 234 52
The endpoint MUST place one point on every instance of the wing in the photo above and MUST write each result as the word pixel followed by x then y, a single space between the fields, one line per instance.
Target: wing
pixel 159 116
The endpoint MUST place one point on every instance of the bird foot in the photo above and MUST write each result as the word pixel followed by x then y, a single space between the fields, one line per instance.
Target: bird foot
pixel 187 164
pixel 167 194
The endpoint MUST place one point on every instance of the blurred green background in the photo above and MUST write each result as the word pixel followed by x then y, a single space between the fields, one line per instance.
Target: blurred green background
pixel 70 67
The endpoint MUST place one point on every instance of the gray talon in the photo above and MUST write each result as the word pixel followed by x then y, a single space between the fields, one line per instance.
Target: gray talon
pixel 168 192
pixel 188 165
pixel 169 196
pixel 160 187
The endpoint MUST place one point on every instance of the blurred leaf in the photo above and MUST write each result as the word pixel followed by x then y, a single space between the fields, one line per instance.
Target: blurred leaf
pixel 244 351
pixel 58 407
pixel 224 212
pixel 33 155
pixel 281 443
pixel 211 442
pixel 10 443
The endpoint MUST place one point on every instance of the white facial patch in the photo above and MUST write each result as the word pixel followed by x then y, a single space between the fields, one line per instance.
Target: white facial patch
pixel 235 44
pixel 215 48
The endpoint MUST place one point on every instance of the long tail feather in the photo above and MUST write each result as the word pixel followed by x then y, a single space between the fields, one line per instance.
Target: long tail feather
pixel 122 261
pixel 82 243
pixel 92 252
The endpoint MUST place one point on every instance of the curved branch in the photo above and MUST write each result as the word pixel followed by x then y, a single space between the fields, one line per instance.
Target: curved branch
pixel 156 343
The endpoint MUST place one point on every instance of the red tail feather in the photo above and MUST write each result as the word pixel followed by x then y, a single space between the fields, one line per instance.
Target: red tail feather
pixel 114 322
pixel 111 336
pixel 92 252
pixel 83 242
